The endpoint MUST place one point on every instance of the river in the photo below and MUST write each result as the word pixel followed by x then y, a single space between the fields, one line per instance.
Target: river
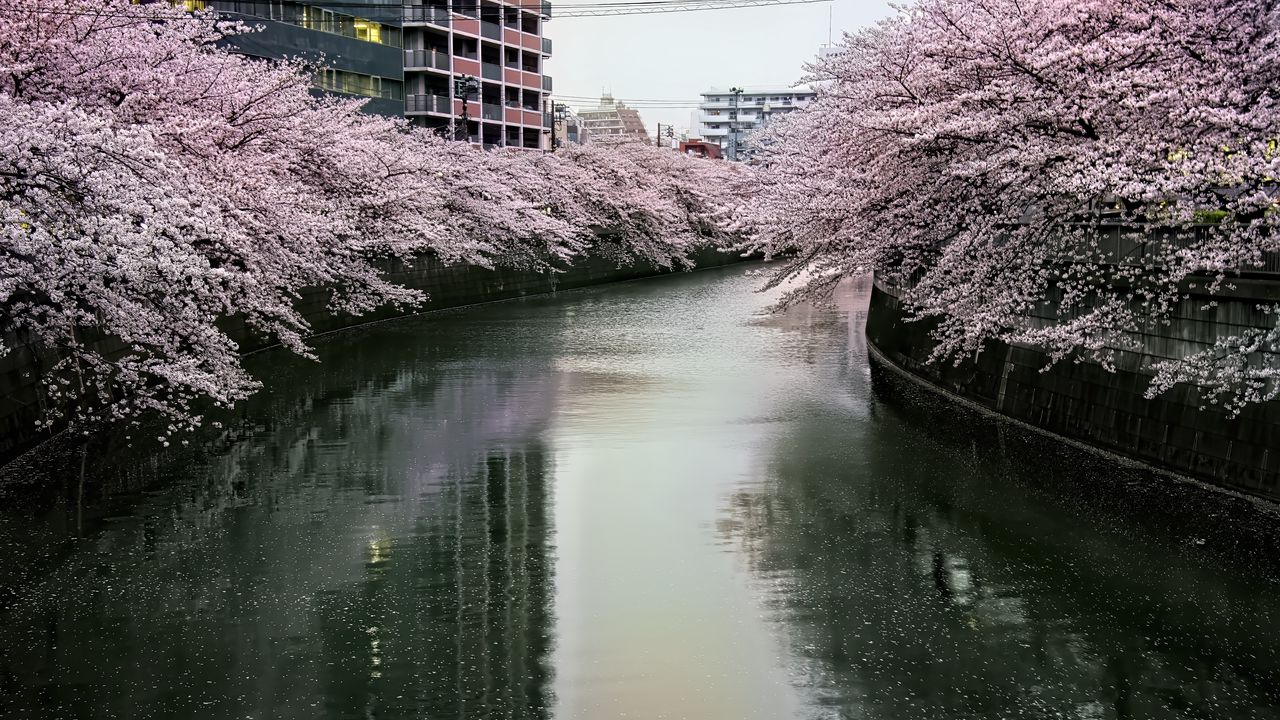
pixel 649 500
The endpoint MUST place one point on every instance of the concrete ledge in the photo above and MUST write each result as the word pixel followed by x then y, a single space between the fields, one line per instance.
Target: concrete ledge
pixel 1084 403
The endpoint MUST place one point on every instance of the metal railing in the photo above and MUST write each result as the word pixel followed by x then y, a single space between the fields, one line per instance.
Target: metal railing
pixel 427 103
pixel 360 86
pixel 1120 244
pixel 493 31
pixel 428 14
pixel 490 71
pixel 546 10
pixel 546 46
pixel 546 83
pixel 415 59
pixel 490 111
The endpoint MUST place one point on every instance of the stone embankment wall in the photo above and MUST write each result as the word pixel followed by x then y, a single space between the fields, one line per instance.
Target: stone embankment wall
pixel 22 400
pixel 1087 403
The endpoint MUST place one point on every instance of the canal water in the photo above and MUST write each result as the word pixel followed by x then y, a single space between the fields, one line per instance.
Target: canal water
pixel 646 501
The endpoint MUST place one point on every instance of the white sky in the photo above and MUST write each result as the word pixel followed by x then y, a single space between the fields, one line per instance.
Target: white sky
pixel 674 56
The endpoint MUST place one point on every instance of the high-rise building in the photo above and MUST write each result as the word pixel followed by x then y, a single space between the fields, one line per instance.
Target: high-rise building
pixel 407 56
pixel 613 119
pixel 726 116
pixel 501 46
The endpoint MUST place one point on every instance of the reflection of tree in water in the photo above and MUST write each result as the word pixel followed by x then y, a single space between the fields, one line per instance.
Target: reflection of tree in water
pixel 931 572
pixel 375 541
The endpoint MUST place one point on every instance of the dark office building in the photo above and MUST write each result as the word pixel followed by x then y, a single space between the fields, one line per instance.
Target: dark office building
pixel 361 42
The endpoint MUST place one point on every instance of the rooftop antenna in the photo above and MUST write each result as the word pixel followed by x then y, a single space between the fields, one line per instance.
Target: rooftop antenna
pixel 828 26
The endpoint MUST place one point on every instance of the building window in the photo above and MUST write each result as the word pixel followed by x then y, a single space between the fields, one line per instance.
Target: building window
pixel 358 84
pixel 310 17
pixel 318 19
pixel 368 31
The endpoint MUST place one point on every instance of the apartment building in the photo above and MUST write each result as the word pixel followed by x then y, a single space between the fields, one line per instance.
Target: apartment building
pixel 725 117
pixel 612 119
pixel 501 46
pixel 405 55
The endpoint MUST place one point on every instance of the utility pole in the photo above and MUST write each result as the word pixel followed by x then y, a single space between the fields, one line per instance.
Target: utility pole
pixel 657 138
pixel 465 86
pixel 733 123
pixel 562 113
pixel 558 112
pixel 550 109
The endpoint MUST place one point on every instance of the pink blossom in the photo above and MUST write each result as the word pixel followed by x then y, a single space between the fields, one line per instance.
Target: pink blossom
pixel 153 184
pixel 1048 172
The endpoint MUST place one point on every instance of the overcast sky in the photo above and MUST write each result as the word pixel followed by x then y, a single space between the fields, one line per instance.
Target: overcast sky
pixel 675 56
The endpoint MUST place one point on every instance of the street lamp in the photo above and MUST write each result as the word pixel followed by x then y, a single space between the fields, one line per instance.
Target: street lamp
pixel 733 122
pixel 465 86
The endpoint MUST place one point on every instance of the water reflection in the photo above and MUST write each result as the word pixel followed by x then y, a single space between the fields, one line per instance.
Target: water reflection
pixel 642 501
pixel 371 539
pixel 952 566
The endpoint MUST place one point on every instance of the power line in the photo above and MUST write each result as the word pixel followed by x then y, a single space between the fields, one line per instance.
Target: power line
pixel 680 7
pixel 573 96
pixel 473 5
pixel 642 104
pixel 574 10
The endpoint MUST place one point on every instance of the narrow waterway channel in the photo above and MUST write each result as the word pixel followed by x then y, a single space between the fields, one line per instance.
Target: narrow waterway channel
pixel 646 501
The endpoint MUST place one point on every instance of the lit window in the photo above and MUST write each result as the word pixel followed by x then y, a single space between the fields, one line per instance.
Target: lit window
pixel 369 31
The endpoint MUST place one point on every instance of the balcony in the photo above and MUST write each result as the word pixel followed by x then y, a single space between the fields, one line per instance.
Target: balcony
pixel 426 59
pixel 729 104
pixel 421 15
pixel 414 104
pixel 546 83
pixel 491 71
pixel 492 31
pixel 546 10
pixel 546 47
pixel 547 120
pixel 491 112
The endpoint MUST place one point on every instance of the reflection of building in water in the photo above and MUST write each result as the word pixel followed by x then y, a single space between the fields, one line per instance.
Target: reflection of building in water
pixel 454 620
pixel 375 544
pixel 303 606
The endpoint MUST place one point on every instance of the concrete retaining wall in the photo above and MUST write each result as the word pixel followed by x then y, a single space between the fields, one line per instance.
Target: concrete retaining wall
pixel 22 400
pixel 1085 402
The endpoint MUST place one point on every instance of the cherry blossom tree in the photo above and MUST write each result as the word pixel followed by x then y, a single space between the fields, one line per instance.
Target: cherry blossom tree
pixel 1052 172
pixel 153 184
